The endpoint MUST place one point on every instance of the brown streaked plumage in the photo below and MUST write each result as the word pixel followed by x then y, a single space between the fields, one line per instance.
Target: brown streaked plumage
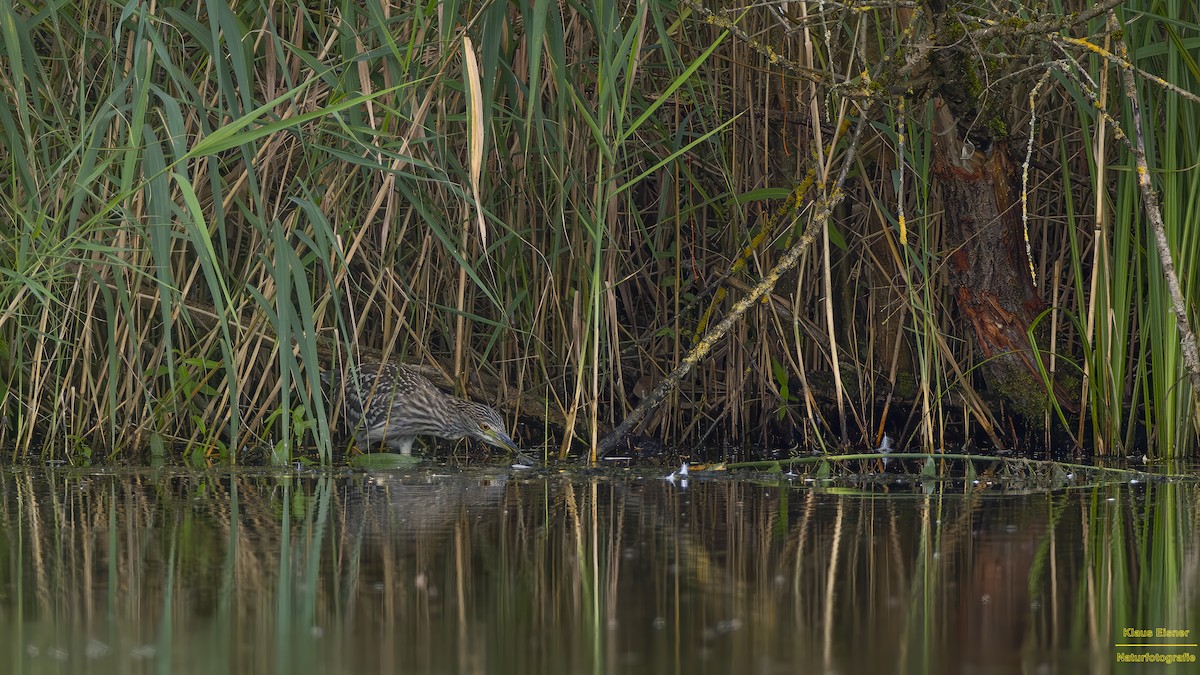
pixel 394 404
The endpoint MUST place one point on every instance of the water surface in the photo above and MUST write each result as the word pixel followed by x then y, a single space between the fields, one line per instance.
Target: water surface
pixel 444 571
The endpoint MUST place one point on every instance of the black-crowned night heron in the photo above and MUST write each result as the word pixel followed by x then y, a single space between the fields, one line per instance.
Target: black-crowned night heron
pixel 396 403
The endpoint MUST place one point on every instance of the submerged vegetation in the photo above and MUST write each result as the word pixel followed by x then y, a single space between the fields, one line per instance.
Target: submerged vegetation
pixel 556 204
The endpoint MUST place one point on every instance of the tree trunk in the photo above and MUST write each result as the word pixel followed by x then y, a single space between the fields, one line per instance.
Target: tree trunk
pixel 989 267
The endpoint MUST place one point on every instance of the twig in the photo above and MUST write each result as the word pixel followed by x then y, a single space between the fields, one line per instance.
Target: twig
pixel 825 206
pixel 1187 338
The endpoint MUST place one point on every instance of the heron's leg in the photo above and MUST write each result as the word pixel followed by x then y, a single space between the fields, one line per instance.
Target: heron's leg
pixel 401 444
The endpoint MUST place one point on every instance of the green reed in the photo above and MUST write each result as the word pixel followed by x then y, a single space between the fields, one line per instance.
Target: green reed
pixel 202 208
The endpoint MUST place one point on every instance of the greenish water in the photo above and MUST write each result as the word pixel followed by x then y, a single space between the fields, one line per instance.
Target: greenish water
pixel 443 571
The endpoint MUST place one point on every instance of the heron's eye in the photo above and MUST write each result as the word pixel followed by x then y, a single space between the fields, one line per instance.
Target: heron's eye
pixel 484 426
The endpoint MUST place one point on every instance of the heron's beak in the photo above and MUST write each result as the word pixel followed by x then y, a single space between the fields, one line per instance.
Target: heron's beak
pixel 502 440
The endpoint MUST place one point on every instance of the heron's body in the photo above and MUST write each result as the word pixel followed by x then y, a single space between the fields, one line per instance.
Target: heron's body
pixel 393 404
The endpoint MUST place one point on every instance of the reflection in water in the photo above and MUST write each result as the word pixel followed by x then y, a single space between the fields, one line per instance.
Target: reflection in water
pixel 503 573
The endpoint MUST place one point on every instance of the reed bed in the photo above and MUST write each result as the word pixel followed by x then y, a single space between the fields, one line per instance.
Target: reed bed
pixel 203 206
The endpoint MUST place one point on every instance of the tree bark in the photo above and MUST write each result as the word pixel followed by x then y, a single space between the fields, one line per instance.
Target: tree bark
pixel 988 264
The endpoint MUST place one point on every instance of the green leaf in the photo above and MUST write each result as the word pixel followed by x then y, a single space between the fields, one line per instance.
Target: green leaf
pixel 761 194
pixel 930 469
pixel 382 461
pixel 824 471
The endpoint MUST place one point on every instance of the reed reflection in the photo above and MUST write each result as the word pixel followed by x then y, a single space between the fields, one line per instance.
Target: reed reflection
pixel 498 572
